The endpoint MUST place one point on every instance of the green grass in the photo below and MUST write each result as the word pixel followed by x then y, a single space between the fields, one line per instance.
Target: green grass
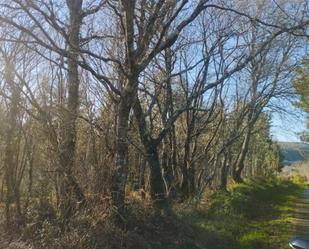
pixel 257 214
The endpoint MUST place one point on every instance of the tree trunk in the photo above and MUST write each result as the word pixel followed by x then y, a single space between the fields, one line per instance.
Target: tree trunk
pixel 70 186
pixel 156 180
pixel 141 177
pixel 10 146
pixel 151 147
pixel 128 92
pixel 30 173
pixel 121 171
pixel 169 143
pixel 240 163
pixel 224 173
pixel 188 171
pixel 185 173
pixel 167 166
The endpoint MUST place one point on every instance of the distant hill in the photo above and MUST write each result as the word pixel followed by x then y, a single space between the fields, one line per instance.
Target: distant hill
pixel 294 152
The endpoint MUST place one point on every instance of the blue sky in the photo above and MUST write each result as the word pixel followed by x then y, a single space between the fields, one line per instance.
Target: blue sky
pixel 285 126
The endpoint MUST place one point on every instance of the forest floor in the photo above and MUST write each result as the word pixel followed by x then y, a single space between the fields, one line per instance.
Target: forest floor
pixel 10 240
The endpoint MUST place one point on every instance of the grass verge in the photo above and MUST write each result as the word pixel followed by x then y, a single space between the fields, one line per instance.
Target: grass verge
pixel 254 215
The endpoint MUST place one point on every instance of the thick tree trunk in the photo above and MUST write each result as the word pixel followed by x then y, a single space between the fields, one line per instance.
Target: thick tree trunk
pixel 12 190
pixel 128 92
pixel 191 179
pixel 67 146
pixel 121 171
pixel 17 204
pixel 156 180
pixel 240 163
pixel 151 147
pixel 224 173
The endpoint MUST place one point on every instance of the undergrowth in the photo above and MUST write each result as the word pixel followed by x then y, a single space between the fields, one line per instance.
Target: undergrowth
pixel 253 215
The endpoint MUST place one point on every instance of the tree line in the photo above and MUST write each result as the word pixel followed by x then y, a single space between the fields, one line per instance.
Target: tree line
pixel 101 99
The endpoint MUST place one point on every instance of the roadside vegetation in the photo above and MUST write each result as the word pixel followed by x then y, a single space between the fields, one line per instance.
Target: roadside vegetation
pixel 252 215
pixel 257 214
